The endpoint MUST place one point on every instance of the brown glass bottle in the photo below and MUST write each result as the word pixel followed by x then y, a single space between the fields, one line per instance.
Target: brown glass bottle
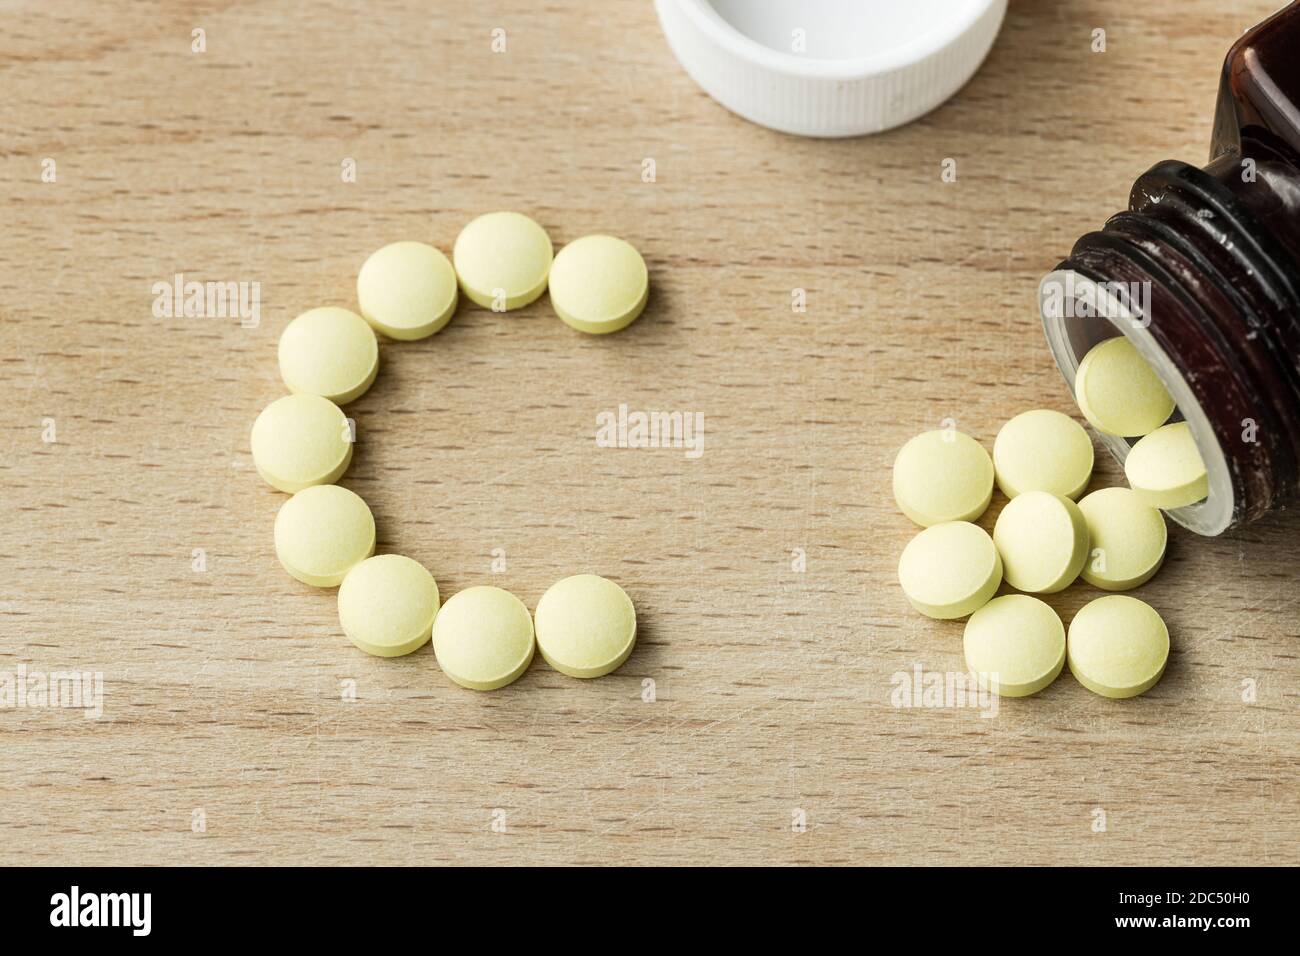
pixel 1202 273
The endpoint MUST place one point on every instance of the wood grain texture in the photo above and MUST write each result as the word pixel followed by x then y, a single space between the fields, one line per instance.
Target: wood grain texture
pixel 772 687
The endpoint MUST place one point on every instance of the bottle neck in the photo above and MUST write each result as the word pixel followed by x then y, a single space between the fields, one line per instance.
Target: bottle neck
pixel 1202 272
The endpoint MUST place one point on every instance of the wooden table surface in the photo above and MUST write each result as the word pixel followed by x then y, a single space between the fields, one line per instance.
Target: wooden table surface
pixel 754 722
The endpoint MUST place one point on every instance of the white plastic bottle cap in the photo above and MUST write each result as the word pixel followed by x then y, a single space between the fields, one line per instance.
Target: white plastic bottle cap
pixel 830 67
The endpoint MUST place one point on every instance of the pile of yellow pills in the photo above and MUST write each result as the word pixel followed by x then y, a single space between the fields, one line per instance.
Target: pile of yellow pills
pixel 322 533
pixel 1043 540
pixel 1165 468
pixel 502 260
pixel 950 570
pixel 387 605
pixel 407 290
pixel 943 475
pixel 1015 645
pixel 1126 536
pixel 329 352
pixel 1042 450
pixel 586 626
pixel 598 284
pixel 1117 646
pixel 299 441
pixel 483 638
pixel 1118 392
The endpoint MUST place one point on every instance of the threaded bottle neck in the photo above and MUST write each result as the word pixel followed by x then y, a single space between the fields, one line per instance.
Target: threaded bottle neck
pixel 1211 292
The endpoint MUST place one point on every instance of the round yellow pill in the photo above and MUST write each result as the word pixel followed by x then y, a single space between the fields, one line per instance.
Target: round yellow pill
pixel 483 638
pixel 1165 468
pixel 1042 450
pixel 1126 536
pixel 586 626
pixel 1119 392
pixel 950 569
pixel 1015 645
pixel 407 290
pixel 1117 646
pixel 942 476
pixel 322 533
pixel 387 605
pixel 329 352
pixel 301 440
pixel 502 260
pixel 599 284
pixel 1043 541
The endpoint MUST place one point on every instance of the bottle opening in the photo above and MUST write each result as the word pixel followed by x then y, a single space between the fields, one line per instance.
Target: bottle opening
pixel 1078 313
